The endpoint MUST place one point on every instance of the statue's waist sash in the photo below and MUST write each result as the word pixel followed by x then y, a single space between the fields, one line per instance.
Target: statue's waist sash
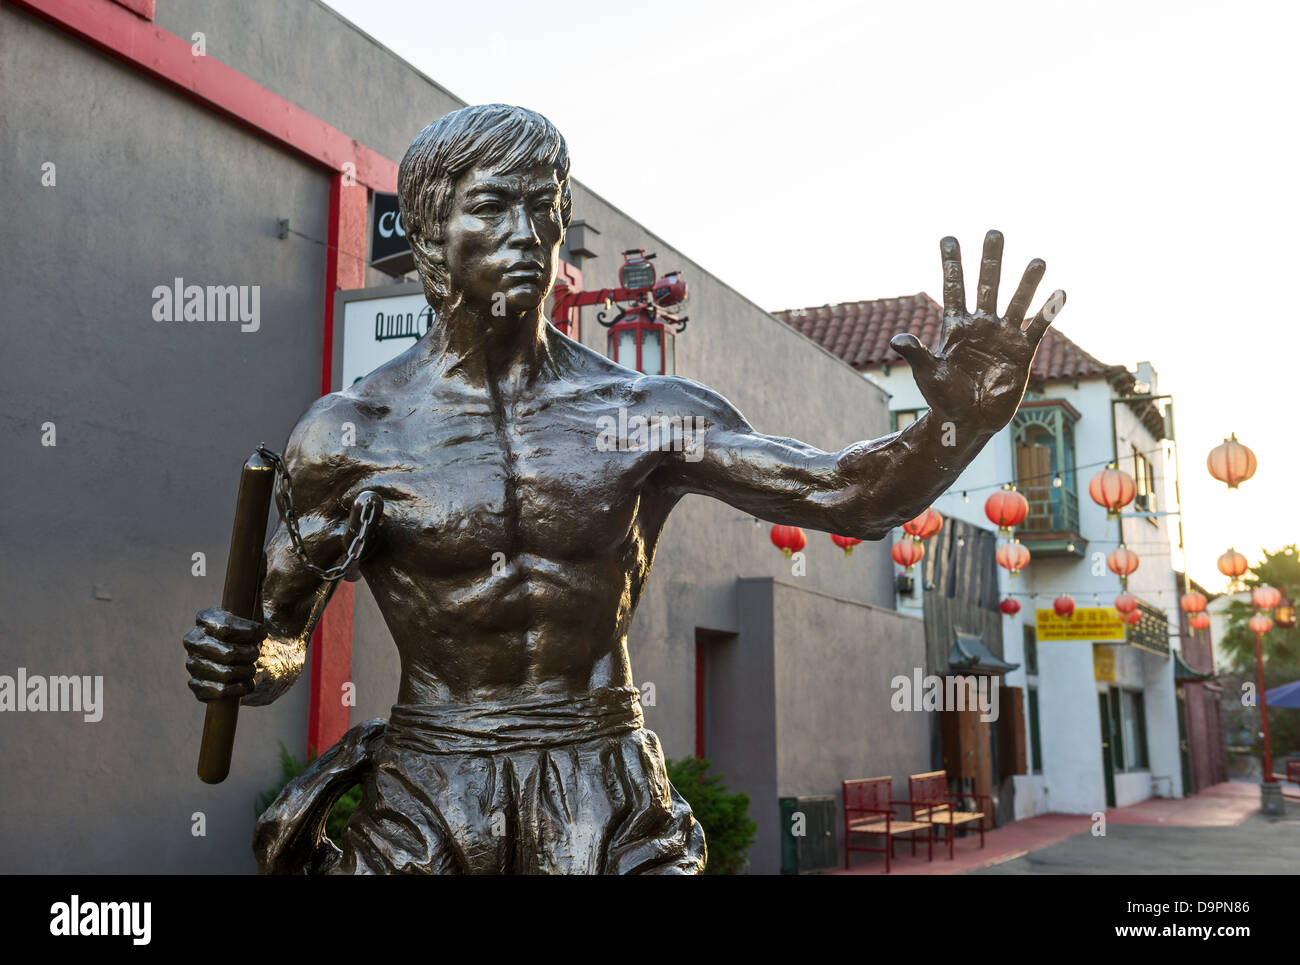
pixel 497 727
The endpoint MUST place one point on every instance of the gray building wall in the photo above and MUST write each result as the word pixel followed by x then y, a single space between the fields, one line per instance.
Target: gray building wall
pixel 153 420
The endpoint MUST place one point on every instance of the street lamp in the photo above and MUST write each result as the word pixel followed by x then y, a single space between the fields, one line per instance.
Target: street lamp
pixel 1263 598
pixel 1284 615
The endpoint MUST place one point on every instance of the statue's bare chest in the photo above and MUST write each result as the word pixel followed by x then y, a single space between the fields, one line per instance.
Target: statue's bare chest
pixel 470 482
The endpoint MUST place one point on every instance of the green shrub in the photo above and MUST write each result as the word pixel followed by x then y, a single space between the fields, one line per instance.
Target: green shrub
pixel 291 767
pixel 728 831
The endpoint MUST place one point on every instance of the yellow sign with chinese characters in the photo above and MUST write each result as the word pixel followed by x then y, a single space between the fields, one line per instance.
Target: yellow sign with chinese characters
pixel 1103 663
pixel 1091 623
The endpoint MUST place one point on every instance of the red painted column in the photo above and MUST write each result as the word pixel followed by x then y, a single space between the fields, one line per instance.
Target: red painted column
pixel 331 644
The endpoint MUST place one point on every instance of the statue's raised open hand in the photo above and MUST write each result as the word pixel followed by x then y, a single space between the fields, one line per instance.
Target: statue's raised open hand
pixel 979 372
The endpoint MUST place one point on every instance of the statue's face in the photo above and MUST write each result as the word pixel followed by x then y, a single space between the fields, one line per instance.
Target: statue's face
pixel 502 238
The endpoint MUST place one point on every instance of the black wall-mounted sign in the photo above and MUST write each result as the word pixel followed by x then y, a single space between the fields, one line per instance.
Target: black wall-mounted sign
pixel 389 250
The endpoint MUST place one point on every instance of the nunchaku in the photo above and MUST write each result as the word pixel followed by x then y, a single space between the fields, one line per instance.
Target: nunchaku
pixel 244 570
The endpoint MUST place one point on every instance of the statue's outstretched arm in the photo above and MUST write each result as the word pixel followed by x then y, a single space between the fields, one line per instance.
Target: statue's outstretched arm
pixel 973 383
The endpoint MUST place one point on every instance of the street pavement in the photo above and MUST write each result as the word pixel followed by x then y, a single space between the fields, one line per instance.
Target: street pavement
pixel 1218 831
pixel 1258 845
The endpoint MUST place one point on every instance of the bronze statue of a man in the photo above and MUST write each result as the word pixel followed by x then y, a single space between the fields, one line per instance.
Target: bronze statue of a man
pixel 513 549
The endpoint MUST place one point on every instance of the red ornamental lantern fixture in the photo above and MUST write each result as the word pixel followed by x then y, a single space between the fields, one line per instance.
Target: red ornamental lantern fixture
pixel 925 525
pixel 907 553
pixel 1193 602
pixel 845 543
pixel 1006 509
pixel 1134 618
pixel 1265 597
pixel 1260 624
pixel 1112 489
pixel 1125 603
pixel 788 539
pixel 1122 561
pixel 1063 605
pixel 1013 556
pixel 1231 463
pixel 1010 606
pixel 1232 564
pixel 1199 621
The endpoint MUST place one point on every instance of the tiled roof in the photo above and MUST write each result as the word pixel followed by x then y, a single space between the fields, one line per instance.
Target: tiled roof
pixel 859 333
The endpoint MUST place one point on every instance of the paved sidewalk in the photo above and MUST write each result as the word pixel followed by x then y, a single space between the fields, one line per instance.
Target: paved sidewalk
pixel 1221 832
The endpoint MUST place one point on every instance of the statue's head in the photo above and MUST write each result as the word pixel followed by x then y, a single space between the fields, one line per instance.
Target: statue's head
pixel 485 200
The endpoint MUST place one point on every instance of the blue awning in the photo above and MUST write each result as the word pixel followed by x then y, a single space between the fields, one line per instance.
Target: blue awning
pixel 1285 695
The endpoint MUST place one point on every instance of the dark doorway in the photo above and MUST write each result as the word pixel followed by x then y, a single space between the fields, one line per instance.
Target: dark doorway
pixel 1183 759
pixel 710 646
pixel 1108 746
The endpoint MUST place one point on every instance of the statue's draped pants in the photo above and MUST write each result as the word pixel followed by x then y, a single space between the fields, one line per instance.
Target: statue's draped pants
pixel 546 785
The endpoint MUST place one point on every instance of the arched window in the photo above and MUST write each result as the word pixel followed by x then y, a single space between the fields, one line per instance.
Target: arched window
pixel 1043 430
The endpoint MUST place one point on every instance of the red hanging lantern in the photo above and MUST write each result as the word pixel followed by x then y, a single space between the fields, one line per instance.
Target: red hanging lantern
pixel 907 553
pixel 925 525
pixel 1134 618
pixel 1122 561
pixel 845 543
pixel 1232 564
pixel 1063 605
pixel 1231 462
pixel 1199 621
pixel 1260 624
pixel 1013 556
pixel 1265 597
pixel 1193 602
pixel 788 539
pixel 1112 489
pixel 1125 603
pixel 1006 509
pixel 1010 606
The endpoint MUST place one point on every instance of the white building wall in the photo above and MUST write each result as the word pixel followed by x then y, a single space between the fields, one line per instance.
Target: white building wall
pixel 1070 728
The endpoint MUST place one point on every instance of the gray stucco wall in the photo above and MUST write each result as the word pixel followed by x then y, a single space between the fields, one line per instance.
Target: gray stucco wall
pixel 150 437
pixel 834 662
pixel 153 420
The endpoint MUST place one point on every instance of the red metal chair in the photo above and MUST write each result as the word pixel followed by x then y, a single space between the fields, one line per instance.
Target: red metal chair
pixel 933 805
pixel 869 809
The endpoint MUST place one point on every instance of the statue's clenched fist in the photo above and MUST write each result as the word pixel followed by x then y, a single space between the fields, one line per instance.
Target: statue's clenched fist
pixel 223 651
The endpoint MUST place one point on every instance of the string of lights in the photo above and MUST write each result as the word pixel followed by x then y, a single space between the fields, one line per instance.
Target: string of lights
pixel 1054 476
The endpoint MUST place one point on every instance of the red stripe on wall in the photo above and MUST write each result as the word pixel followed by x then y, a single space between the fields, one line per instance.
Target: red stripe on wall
pixel 331 668
pixel 171 60
pixel 345 267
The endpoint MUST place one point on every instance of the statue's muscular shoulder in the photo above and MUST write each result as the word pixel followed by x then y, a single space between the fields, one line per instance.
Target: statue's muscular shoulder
pixel 328 452
pixel 658 395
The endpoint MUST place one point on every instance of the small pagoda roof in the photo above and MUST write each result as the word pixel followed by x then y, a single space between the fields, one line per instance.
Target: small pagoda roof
pixel 970 656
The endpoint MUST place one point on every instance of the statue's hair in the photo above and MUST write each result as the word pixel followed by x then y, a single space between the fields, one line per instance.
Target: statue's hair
pixel 500 136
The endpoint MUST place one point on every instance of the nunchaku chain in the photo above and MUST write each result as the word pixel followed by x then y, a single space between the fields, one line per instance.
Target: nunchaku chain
pixel 284 504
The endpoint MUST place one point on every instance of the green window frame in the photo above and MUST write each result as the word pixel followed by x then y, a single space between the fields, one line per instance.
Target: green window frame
pixel 900 419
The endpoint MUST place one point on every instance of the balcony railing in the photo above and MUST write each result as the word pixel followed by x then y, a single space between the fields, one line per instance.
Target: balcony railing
pixel 1051 509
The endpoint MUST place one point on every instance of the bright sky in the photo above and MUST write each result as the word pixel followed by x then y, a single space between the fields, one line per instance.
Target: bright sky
pixel 1146 151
